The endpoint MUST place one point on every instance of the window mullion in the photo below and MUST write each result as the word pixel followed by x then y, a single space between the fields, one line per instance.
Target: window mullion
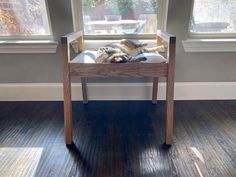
pixel 77 14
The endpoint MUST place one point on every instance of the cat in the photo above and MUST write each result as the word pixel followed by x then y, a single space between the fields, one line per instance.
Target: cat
pixel 125 51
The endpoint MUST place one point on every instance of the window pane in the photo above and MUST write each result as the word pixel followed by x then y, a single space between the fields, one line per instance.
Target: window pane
pixel 214 16
pixel 120 16
pixel 23 17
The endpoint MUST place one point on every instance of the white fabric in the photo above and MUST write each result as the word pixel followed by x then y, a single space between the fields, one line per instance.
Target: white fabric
pixel 87 56
pixel 152 58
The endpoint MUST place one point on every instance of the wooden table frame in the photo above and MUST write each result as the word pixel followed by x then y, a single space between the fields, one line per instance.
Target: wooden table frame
pixel 154 70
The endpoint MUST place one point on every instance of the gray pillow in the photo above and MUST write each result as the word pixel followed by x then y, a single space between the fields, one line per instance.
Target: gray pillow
pixel 150 58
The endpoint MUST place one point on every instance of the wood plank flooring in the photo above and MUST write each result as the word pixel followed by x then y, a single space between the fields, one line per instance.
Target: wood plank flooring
pixel 118 139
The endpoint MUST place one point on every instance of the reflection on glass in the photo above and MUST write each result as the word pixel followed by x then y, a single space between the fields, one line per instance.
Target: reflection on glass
pixel 120 16
pixel 212 16
pixel 23 17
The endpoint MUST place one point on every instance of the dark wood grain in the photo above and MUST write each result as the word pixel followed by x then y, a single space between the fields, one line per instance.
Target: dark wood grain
pixel 170 90
pixel 119 70
pixel 154 90
pixel 67 92
pixel 84 89
pixel 121 139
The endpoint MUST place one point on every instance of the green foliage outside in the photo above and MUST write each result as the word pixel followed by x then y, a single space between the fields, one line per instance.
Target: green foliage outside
pixel 148 6
pixel 123 7
pixel 88 4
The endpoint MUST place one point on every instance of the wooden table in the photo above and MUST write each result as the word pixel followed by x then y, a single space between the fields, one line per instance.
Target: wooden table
pixel 84 70
pixel 110 26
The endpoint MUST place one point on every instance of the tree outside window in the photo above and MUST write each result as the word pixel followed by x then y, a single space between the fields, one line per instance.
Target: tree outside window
pixel 23 18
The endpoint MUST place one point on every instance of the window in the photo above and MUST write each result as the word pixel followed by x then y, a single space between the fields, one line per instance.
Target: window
pixel 213 17
pixel 23 19
pixel 111 18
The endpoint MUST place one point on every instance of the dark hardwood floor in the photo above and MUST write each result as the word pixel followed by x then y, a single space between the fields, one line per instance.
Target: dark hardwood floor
pixel 118 139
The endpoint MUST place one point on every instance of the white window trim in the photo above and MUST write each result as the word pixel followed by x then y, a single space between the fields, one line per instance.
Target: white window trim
pixel 78 20
pixel 30 44
pixel 209 42
pixel 209 45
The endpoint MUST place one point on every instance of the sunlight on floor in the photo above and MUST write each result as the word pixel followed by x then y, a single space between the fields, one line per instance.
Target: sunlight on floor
pixel 198 154
pixel 19 162
pixel 198 169
pixel 150 161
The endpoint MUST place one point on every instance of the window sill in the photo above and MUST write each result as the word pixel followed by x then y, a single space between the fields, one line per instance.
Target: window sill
pixel 25 46
pixel 209 45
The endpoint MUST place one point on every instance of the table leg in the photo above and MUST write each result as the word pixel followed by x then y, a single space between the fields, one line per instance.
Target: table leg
pixel 154 90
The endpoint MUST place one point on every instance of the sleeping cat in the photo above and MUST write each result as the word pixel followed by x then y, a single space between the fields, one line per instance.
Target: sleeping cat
pixel 125 51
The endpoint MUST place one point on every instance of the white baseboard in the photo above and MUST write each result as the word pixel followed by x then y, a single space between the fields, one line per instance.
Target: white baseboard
pixel 118 91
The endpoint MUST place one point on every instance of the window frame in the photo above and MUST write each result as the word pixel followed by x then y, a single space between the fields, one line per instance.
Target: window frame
pixel 205 35
pixel 32 37
pixel 77 15
pixel 208 42
pixel 30 44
